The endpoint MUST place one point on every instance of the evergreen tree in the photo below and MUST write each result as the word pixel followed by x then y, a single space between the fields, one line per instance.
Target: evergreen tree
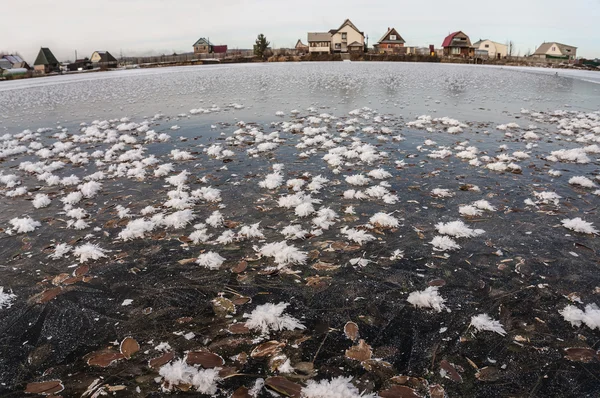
pixel 261 46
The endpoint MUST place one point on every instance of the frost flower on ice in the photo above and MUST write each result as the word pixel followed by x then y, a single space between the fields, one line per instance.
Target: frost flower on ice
pixel 6 298
pixel 457 229
pixel 179 372
pixel 283 254
pixel 444 243
pixel 579 225
pixel 384 220
pixel 270 317
pixel 25 224
pixel 428 298
pixel 41 200
pixel 339 387
pixel 484 322
pixel 88 251
pixel 210 260
pixel 590 317
pixel 356 235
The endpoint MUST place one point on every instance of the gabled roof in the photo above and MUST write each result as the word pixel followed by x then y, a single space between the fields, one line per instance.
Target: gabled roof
pixel 203 41
pixel 478 42
pixel 13 59
pixel 347 22
pixel 543 49
pixel 354 44
pixel 105 56
pixel 45 57
pixel 390 31
pixel 319 36
pixel 300 44
pixel 448 40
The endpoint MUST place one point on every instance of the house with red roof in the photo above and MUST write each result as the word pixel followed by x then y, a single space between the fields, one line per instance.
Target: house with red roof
pixel 458 44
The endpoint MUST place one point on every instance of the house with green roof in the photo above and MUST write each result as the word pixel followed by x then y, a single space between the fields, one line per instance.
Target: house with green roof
pixel 46 62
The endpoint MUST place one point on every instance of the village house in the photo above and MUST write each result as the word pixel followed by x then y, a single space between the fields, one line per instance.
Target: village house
pixel 301 48
pixel 458 44
pixel 555 50
pixel 494 49
pixel 104 59
pixel 346 39
pixel 390 42
pixel 80 64
pixel 13 62
pixel 46 62
pixel 204 46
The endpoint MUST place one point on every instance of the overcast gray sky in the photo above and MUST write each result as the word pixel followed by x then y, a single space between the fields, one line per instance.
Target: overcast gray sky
pixel 138 27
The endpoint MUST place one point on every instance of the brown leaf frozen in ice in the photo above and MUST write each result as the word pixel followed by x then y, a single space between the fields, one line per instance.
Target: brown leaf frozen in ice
pixel 241 392
pixel 284 386
pixel 239 328
pixel 47 295
pixel 81 270
pixel 58 279
pixel 206 359
pixel 129 347
pixel 437 282
pixel 580 354
pixel 351 330
pixel 323 266
pixel 223 306
pixel 436 391
pixel 488 373
pixel 241 300
pixel 187 261
pixel 267 349
pixel 313 254
pixel 360 352
pixel 399 392
pixel 240 267
pixel 44 387
pixel 165 358
pixel 318 281
pixel 451 371
pixel 103 358
pixel 231 224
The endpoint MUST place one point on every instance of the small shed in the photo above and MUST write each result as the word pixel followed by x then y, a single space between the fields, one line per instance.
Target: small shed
pixel 46 62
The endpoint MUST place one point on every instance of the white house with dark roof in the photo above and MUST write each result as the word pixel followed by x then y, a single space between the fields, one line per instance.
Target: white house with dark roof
pixel 345 39
pixel 555 50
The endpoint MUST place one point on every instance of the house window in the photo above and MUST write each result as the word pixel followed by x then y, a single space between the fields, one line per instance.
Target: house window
pixel 344 36
pixel 568 51
pixel 392 37
pixel 553 48
pixel 338 46
pixel 487 46
pixel 455 50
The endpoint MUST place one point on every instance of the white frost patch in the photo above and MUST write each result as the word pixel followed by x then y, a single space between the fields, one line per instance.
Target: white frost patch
pixel 179 372
pixel 384 220
pixel 484 322
pixel 41 200
pixel 270 317
pixel 60 250
pixel 210 260
pixel 469 210
pixel 6 298
pixel 457 229
pixel 590 316
pixel 428 298
pixel 356 235
pixel 283 254
pixel 88 251
pixel 357 179
pixel 25 224
pixel 582 181
pixel 442 193
pixel 444 243
pixel 137 229
pixel 339 387
pixel 579 225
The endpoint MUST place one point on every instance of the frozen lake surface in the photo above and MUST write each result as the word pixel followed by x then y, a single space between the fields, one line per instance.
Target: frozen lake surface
pixel 372 228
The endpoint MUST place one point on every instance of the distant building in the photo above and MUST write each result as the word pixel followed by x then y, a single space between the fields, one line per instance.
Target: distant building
pixel 346 39
pixel 104 59
pixel 15 61
pixel 46 62
pixel 204 46
pixel 301 48
pixel 390 42
pixel 494 49
pixel 458 44
pixel 80 64
pixel 555 50
pixel 5 64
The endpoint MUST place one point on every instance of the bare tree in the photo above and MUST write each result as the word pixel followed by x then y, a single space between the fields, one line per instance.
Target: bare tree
pixel 511 47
